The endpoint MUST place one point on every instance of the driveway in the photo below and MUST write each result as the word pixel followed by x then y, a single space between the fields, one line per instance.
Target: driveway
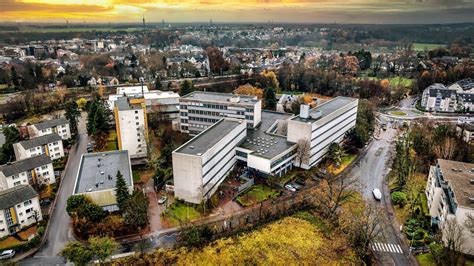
pixel 59 231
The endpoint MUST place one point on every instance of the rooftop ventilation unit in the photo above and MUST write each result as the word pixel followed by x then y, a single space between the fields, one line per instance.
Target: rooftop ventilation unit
pixel 304 111
pixel 471 181
pixel 191 147
pixel 316 114
pixel 234 99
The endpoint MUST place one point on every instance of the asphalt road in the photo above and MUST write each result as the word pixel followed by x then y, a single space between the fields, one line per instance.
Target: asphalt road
pixel 370 173
pixel 59 232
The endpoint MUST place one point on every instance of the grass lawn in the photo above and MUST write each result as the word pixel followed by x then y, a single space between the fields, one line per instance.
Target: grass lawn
pixel 395 81
pixel 425 259
pixel 399 113
pixel 179 211
pixel 4 86
pixel 256 194
pixel 111 144
pixel 9 242
pixel 428 46
pixel 346 160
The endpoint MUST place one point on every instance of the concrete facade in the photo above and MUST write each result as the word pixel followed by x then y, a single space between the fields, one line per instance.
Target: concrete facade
pixel 131 125
pixel 59 126
pixel 201 164
pixel 50 145
pixel 199 110
pixel 38 169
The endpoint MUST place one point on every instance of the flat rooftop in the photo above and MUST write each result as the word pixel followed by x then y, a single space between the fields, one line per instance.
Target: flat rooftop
pixel 209 137
pixel 218 97
pixel 326 108
pixel 264 144
pixel 98 171
pixel 459 176
pixel 123 104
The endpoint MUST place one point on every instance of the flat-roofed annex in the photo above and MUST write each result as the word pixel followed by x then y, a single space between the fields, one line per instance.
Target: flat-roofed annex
pixel 326 108
pixel 220 98
pixel 209 137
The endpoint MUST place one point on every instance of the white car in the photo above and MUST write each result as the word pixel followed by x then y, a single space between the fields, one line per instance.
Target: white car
pixel 290 188
pixel 7 254
pixel 377 194
pixel 162 200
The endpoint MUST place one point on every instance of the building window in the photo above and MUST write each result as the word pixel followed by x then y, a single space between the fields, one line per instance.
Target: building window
pixel 137 123
pixel 26 203
pixel 136 112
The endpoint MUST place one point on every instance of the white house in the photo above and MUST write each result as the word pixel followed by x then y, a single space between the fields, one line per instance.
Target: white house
pixel 51 145
pixel 36 169
pixel 19 207
pixel 450 194
pixel 59 126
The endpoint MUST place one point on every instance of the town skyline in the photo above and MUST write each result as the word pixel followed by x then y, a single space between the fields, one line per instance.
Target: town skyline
pixel 247 11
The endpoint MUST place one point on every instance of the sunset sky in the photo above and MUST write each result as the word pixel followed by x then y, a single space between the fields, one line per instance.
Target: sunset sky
pixel 340 11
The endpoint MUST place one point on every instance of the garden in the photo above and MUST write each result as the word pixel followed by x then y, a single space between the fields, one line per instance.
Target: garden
pixel 180 212
pixel 257 194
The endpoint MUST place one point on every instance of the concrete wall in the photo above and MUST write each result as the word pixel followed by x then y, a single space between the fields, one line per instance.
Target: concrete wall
pixel 130 131
pixel 259 163
pixel 187 174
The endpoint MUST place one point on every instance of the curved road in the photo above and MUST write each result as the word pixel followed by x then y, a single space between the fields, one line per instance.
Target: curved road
pixel 59 232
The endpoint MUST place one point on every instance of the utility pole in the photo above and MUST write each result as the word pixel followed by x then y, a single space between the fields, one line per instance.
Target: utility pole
pixel 144 25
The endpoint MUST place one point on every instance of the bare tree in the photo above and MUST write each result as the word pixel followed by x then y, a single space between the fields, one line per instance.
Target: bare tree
pixel 446 149
pixel 454 239
pixel 363 226
pixel 469 223
pixel 302 151
pixel 282 127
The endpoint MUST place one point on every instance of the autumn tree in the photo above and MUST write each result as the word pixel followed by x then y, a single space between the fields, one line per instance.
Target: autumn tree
pixel 186 87
pixel 77 253
pixel 102 247
pixel 269 79
pixel 303 148
pixel 217 62
pixel 282 127
pixel 404 160
pixel 446 148
pixel 454 239
pixel 12 135
pixel 336 153
pixel 270 99
pixel 135 212
pixel 248 89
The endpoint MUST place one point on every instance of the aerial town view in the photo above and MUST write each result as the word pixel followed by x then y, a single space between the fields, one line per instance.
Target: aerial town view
pixel 239 132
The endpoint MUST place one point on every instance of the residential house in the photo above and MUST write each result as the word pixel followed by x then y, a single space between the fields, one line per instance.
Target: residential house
pixel 34 170
pixel 59 126
pixel 51 145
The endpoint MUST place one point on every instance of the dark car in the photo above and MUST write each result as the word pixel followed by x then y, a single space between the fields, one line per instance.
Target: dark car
pixel 300 181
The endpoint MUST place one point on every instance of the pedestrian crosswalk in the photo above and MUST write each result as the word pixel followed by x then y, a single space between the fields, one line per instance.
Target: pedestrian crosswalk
pixel 385 247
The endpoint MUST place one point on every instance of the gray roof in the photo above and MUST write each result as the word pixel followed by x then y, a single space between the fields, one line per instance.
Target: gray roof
pixel 12 196
pixel 51 123
pixel 327 108
pixel 265 144
pixel 123 104
pixel 25 165
pixel 39 141
pixel 209 137
pixel 95 168
pixel 217 97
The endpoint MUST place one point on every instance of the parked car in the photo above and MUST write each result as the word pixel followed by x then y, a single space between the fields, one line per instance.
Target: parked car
pixel 7 254
pixel 290 188
pixel 296 186
pixel 45 202
pixel 90 147
pixel 162 200
pixel 300 181
pixel 377 194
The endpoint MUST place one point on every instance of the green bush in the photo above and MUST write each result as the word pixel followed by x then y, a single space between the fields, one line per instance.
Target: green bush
pixel 41 231
pixel 399 198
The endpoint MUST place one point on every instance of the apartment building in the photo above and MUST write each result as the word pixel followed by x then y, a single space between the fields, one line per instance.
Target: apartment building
pixel 458 96
pixel 131 125
pixel 34 170
pixel 267 149
pixel 466 131
pixel 59 126
pixel 51 145
pixel 201 164
pixel 450 194
pixel 19 207
pixel 97 177
pixel 199 110
pixel 165 103
pixel 322 125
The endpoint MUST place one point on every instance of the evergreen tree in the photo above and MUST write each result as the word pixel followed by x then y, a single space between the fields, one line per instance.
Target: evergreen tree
pixel 186 87
pixel 270 99
pixel 15 81
pixel 12 135
pixel 72 114
pixel 121 191
pixel 135 213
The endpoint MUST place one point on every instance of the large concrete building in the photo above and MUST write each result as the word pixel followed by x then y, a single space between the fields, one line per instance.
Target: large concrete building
pixel 450 194
pixel 269 148
pixel 322 125
pixel 19 207
pixel 97 177
pixel 34 170
pixel 131 125
pixel 200 110
pixel 59 126
pixel 201 164
pixel 51 145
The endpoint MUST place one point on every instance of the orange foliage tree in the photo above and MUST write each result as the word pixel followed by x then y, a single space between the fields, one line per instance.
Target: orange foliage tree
pixel 248 89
